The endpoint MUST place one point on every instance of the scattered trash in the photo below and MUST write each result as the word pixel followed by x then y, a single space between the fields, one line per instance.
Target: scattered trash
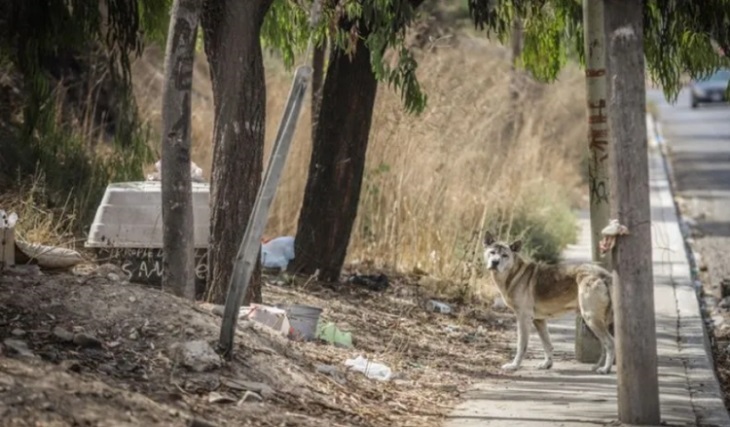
pixel 303 320
pixel 249 396
pixel 273 317
pixel 330 333
pixel 610 232
pixel 196 173
pixel 215 397
pixel 49 256
pixel 277 252
pixel 373 282
pixel 372 370
pixel 438 307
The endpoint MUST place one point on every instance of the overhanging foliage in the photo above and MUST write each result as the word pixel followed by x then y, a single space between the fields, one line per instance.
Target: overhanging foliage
pixel 381 23
pixel 680 37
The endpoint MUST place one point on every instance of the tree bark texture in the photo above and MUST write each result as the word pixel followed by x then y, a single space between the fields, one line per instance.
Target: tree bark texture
pixel 232 31
pixel 636 346
pixel 587 346
pixel 337 164
pixel 318 57
pixel 177 201
pixel 514 122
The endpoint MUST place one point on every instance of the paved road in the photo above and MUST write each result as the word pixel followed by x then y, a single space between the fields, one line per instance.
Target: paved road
pixel 699 143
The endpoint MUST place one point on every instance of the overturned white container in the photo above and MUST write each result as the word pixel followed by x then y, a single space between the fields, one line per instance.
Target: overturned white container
pixel 127 229
pixel 130 216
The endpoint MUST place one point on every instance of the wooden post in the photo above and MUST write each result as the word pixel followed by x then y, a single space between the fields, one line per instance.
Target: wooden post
pixel 7 247
pixel 636 347
pixel 250 245
pixel 587 346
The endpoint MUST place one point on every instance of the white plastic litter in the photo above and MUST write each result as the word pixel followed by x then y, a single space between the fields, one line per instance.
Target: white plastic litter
pixel 372 370
pixel 273 317
pixel 8 220
pixel 438 307
pixel 196 173
pixel 277 252
pixel 50 256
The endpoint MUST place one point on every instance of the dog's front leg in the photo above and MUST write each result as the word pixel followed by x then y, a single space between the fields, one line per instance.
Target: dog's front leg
pixel 542 331
pixel 523 335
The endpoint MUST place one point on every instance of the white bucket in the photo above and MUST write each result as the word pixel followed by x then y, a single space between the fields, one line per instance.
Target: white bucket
pixel 303 320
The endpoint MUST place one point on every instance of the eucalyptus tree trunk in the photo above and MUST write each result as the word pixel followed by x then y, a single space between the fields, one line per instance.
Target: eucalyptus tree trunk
pixel 232 42
pixel 318 57
pixel 336 168
pixel 177 203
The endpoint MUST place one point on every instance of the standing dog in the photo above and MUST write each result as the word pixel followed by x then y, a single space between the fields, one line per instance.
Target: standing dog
pixel 537 292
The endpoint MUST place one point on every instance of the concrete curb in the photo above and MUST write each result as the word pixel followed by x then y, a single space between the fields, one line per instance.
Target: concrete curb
pixel 704 387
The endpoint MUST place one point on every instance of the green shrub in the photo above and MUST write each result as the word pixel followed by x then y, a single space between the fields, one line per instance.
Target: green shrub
pixel 545 222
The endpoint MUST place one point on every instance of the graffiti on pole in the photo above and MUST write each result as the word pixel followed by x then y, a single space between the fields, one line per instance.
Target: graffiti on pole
pixel 598 145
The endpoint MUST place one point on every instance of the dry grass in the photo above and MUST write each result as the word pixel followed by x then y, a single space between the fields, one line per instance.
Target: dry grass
pixel 431 181
pixel 36 223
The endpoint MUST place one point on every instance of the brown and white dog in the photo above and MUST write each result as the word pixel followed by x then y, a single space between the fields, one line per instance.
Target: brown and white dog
pixel 537 292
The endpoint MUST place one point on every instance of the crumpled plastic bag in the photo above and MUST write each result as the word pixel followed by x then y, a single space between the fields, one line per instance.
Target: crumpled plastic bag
pixel 330 333
pixel 277 252
pixel 196 173
pixel 372 370
pixel 50 256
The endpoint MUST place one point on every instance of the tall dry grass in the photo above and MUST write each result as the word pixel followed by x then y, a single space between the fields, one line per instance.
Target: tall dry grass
pixel 431 181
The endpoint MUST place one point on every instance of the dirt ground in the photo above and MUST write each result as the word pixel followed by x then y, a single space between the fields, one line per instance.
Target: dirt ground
pixel 89 349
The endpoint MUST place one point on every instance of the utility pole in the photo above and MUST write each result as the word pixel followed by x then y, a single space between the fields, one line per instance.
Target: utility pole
pixel 633 295
pixel 587 346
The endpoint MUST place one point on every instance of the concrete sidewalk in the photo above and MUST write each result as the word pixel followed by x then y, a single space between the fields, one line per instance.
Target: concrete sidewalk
pixel 570 394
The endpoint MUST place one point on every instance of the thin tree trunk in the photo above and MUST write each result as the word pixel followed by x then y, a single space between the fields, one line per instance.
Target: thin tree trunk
pixel 636 346
pixel 232 30
pixel 317 77
pixel 587 346
pixel 515 118
pixel 336 168
pixel 177 202
pixel 516 41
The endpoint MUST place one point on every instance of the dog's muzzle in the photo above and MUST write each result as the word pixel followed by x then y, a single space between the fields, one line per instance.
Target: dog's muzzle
pixel 493 265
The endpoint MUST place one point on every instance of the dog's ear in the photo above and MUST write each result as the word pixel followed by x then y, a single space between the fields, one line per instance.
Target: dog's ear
pixel 516 246
pixel 488 238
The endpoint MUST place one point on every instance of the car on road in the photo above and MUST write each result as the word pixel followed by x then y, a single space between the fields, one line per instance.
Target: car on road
pixel 711 89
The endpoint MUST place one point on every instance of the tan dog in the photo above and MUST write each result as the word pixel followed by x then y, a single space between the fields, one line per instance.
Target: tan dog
pixel 537 292
pixel 595 286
